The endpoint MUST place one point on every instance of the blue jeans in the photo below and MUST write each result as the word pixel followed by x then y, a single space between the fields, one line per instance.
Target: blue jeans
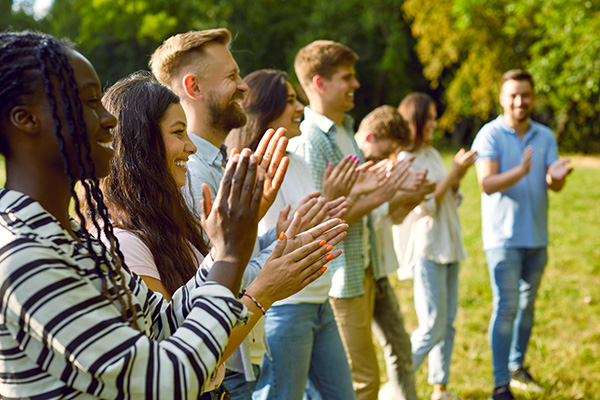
pixel 515 275
pixel 436 302
pixel 238 386
pixel 307 351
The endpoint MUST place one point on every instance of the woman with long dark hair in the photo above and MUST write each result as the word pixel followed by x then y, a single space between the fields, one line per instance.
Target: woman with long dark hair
pixel 75 322
pixel 306 349
pixel 162 239
pixel 429 242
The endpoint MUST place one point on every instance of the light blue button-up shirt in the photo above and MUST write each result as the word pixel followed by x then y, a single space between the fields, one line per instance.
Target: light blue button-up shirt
pixel 206 166
pixel 518 216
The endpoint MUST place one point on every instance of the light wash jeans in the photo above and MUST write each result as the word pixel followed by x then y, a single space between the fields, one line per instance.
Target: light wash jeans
pixel 436 302
pixel 238 386
pixel 515 276
pixel 388 327
pixel 307 352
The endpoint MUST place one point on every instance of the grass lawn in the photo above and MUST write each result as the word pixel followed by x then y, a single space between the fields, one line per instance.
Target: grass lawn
pixel 564 351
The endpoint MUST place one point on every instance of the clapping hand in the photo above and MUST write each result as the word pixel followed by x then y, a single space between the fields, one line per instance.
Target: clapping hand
pixel 272 163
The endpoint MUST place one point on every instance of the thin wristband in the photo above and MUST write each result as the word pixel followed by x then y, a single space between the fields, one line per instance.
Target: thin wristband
pixel 256 302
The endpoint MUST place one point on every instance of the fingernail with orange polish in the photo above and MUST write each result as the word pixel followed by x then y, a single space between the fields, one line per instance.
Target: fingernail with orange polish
pixel 281 236
pixel 322 242
pixel 329 248
pixel 329 257
pixel 323 269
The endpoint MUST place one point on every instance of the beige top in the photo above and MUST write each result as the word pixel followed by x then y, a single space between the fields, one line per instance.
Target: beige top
pixel 429 231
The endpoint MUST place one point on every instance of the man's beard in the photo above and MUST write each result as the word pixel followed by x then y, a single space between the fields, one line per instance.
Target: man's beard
pixel 224 117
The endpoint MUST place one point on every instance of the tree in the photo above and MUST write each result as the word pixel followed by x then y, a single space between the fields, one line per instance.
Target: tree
pixel 466 45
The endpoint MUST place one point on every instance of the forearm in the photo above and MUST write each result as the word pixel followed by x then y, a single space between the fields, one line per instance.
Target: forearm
pixel 239 333
pixel 228 274
pixel 362 207
pixel 446 184
pixel 499 182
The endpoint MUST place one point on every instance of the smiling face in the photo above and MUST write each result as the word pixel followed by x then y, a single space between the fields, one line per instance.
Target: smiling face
pixel 98 121
pixel 224 89
pixel 338 91
pixel 178 145
pixel 517 100
pixel 291 116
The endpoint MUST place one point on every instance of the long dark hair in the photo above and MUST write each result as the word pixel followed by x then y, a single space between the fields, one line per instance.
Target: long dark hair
pixel 264 102
pixel 140 190
pixel 29 64
pixel 414 108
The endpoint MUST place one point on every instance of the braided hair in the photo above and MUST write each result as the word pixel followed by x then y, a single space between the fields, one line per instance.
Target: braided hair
pixel 34 62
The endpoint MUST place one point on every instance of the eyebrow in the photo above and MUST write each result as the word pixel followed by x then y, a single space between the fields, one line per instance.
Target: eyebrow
pixel 178 123
pixel 92 84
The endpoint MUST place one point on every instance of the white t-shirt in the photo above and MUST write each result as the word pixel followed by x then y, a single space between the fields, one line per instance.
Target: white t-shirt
pixel 296 185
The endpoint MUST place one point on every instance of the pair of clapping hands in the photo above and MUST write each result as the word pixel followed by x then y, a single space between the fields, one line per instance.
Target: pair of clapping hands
pixel 383 179
pixel 248 188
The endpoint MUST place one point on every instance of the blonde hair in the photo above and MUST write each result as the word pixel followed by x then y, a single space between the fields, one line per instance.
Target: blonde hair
pixel 322 57
pixel 385 122
pixel 184 50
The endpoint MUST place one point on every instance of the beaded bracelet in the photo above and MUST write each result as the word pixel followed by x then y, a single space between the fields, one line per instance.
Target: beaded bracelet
pixel 256 302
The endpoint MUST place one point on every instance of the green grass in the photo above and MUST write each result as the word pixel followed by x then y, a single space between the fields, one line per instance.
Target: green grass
pixel 564 351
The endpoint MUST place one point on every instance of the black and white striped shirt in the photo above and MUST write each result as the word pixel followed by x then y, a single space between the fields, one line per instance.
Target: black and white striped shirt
pixel 60 338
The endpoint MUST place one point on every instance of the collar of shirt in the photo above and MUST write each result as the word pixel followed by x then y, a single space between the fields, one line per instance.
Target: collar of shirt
pixel 326 125
pixel 208 151
pixel 531 131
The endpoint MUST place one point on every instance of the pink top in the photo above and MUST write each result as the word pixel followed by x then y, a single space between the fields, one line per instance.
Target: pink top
pixel 139 258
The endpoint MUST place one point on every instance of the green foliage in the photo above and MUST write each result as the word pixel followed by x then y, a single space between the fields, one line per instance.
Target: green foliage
pixel 118 36
pixel 466 46
pixel 456 50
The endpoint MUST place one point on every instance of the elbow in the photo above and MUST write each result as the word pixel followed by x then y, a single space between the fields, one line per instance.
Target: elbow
pixel 486 188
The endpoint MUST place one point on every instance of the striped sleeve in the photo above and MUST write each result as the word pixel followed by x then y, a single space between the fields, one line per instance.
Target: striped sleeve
pixel 61 338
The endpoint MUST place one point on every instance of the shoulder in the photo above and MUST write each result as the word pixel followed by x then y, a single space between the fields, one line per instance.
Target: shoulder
pixel 542 129
pixel 136 254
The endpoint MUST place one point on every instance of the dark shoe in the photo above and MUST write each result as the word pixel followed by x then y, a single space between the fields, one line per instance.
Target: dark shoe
pixel 521 379
pixel 502 393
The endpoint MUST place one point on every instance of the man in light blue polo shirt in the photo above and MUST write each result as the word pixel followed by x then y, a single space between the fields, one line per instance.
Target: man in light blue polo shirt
pixel 517 163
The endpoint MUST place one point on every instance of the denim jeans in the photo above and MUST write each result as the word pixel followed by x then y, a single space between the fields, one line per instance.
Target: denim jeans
pixel 515 276
pixel 436 302
pixel 238 386
pixel 388 327
pixel 307 351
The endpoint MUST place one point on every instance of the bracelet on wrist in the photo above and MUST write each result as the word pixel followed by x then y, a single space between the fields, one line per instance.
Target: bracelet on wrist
pixel 262 309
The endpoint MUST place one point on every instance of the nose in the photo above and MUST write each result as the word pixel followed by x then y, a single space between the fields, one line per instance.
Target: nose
pixel 518 101
pixel 355 83
pixel 107 120
pixel 299 106
pixel 242 85
pixel 189 146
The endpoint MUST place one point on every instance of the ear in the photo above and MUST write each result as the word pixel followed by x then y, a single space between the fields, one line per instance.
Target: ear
pixel 369 136
pixel 318 83
pixel 25 119
pixel 191 86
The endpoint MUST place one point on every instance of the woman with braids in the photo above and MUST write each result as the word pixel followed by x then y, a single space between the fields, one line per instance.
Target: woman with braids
pixel 306 348
pixel 74 322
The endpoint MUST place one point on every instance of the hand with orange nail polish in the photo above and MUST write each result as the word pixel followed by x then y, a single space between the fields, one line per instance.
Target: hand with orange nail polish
pixel 297 260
